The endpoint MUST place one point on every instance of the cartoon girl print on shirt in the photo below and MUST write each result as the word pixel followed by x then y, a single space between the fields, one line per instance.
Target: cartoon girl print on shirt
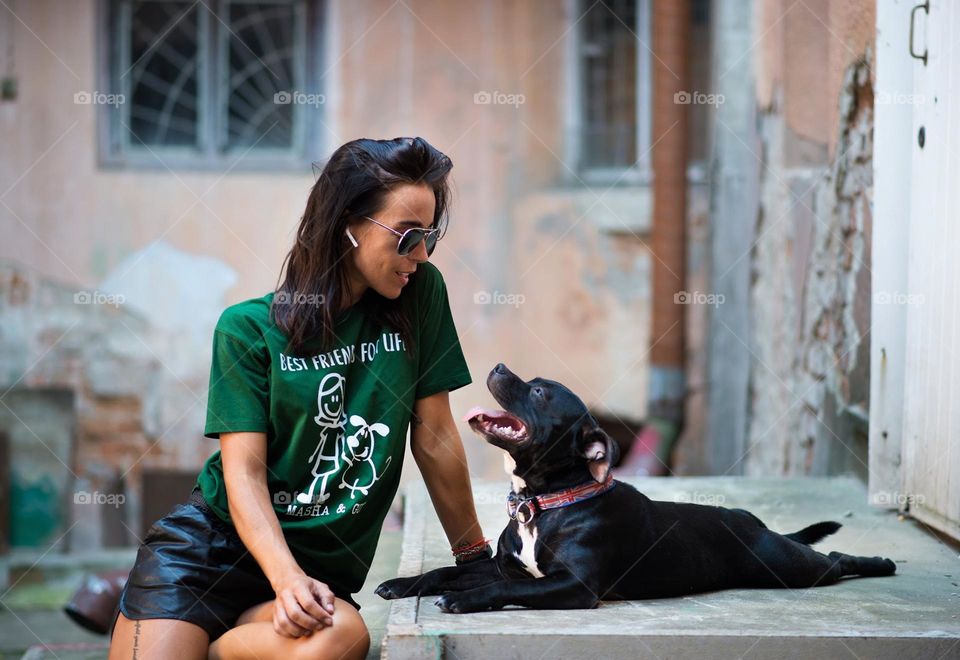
pixel 330 418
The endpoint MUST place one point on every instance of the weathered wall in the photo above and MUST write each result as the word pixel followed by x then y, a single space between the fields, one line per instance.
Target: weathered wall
pixel 125 366
pixel 807 304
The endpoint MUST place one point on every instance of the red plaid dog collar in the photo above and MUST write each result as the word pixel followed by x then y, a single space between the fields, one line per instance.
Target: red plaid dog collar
pixel 523 509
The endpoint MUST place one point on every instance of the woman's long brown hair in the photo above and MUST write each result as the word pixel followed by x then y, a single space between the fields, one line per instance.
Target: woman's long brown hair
pixel 354 182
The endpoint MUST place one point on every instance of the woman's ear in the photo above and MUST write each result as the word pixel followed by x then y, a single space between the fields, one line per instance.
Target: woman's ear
pixel 600 451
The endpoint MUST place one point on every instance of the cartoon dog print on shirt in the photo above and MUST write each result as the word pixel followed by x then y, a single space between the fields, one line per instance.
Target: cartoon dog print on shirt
pixel 361 473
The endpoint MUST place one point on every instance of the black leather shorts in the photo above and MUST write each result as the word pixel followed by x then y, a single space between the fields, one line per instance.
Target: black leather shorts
pixel 192 566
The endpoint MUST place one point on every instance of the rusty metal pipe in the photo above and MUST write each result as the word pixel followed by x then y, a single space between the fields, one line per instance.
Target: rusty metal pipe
pixel 670 29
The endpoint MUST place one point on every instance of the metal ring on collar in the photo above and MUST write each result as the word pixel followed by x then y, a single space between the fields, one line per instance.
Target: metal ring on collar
pixel 526 510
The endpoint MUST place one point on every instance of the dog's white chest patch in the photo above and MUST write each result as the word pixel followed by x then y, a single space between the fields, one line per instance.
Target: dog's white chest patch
pixel 526 555
pixel 528 533
pixel 509 465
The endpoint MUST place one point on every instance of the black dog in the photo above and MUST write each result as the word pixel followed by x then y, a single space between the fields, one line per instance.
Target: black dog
pixel 572 548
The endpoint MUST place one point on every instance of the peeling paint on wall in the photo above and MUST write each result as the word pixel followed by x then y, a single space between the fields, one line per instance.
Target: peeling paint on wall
pixel 135 370
pixel 811 298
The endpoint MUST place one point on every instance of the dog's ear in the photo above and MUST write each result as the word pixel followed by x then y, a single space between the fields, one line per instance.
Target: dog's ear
pixel 600 451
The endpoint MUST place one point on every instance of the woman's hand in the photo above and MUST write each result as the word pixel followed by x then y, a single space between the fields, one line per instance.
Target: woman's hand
pixel 302 606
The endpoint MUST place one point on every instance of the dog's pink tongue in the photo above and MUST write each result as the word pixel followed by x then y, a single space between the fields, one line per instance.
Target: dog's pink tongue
pixel 477 411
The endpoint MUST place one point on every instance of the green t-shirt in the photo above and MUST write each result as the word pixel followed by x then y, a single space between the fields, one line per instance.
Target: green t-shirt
pixel 336 420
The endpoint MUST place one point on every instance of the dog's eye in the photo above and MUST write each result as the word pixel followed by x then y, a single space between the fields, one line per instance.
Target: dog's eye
pixel 538 391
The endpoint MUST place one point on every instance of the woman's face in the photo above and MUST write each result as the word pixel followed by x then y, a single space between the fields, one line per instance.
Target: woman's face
pixel 374 262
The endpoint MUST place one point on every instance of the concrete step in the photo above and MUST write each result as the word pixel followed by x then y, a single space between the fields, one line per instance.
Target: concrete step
pixel 914 614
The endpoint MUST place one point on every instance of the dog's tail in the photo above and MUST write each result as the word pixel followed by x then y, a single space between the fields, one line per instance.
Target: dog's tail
pixel 814 533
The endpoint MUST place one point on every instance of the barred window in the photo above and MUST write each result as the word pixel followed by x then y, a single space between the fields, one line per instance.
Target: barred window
pixel 613 104
pixel 214 84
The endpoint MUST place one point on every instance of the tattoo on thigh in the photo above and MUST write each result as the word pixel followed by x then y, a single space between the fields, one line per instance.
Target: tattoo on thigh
pixel 136 639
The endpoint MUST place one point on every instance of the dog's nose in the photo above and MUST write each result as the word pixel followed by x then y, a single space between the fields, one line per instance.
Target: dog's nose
pixel 500 369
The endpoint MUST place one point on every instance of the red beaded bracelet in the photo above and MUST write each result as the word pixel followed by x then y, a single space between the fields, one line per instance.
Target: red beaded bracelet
pixel 470 549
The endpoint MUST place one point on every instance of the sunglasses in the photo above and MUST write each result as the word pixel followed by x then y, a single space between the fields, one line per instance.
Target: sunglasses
pixel 411 238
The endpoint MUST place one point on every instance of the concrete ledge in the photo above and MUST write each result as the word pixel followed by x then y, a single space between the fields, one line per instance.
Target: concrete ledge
pixel 915 613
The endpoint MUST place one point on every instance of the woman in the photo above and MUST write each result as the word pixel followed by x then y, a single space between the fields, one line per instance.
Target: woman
pixel 312 390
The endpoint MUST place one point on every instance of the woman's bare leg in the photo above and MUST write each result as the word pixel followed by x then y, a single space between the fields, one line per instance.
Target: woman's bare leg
pixel 158 638
pixel 254 637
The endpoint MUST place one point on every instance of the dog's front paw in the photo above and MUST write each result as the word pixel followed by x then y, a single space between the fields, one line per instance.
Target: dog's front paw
pixel 397 588
pixel 459 603
pixel 449 603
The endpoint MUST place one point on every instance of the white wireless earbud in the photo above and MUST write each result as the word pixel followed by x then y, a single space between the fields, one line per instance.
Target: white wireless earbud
pixel 351 238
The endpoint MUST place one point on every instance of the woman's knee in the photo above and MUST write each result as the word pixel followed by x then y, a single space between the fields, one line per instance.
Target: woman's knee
pixel 355 638
pixel 262 612
pixel 347 639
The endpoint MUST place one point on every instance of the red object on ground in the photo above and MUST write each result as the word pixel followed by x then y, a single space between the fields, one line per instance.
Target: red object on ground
pixel 641 460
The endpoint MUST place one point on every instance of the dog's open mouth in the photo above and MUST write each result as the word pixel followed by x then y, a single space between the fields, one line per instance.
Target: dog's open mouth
pixel 497 423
